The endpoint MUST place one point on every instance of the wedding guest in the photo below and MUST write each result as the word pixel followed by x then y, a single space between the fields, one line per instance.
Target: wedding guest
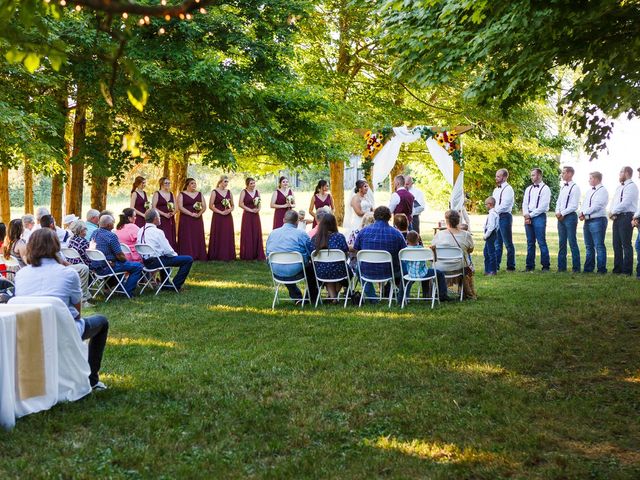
pixel 139 201
pixel 46 276
pixel 367 220
pixel 328 237
pixel 289 239
pixel 419 202
pixel 42 212
pixel 107 242
pixel 15 245
pixel 504 195
pixel 624 204
pixel 251 247
pixel 566 208
pixel 28 226
pixel 127 233
pixel 93 217
pixel 79 243
pixel 401 200
pixel 151 235
pixel 418 269
pixel 535 205
pixel 401 224
pixel 636 223
pixel 319 214
pixel 321 198
pixel 67 221
pixel 191 206
pixel 594 215
pixel 3 234
pixel 282 201
pixel 491 228
pixel 164 201
pixel 222 245
pixel 303 221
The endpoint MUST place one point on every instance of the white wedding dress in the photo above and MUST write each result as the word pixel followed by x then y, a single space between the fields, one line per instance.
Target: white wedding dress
pixel 366 204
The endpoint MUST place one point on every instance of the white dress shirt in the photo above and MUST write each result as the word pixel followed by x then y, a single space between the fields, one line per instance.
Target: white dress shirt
pixel 491 224
pixel 418 200
pixel 536 200
pixel 504 198
pixel 568 199
pixel 625 199
pixel 154 237
pixel 595 202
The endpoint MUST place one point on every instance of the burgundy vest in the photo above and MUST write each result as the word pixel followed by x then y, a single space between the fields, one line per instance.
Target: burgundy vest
pixel 406 203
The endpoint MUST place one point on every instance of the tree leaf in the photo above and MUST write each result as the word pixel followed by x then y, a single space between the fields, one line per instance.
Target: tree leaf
pixel 32 62
pixel 138 95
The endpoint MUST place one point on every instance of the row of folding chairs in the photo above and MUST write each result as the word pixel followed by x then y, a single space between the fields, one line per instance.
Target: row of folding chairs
pixel 449 259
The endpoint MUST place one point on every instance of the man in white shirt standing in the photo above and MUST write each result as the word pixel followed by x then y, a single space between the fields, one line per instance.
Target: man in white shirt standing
pixel 594 215
pixel 504 196
pixel 636 223
pixel 566 208
pixel 418 201
pixel 151 235
pixel 535 206
pixel 623 206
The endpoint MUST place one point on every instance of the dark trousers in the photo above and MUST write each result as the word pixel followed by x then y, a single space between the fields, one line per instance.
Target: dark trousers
pixel 312 285
pixel 594 231
pixel 443 293
pixel 184 262
pixel 567 228
pixel 490 264
pixel 505 236
pixel 622 249
pixel 416 223
pixel 638 254
pixel 96 328
pixel 537 232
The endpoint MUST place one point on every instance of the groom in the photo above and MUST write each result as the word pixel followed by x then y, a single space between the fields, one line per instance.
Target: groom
pixel 401 200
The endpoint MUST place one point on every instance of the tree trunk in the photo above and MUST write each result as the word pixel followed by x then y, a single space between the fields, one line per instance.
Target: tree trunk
pixel 99 188
pixel 5 201
pixel 166 172
pixel 336 176
pixel 56 198
pixel 77 164
pixel 28 187
pixel 67 175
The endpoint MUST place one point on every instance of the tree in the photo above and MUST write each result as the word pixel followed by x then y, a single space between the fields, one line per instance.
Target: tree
pixel 517 51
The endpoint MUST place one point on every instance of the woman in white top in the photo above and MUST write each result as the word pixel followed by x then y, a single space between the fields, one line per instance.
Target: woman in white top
pixel 361 204
pixel 454 236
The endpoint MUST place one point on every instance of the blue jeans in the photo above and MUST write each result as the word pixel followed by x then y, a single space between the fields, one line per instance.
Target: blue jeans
pixel 490 264
pixel 567 228
pixel 536 232
pixel 638 254
pixel 504 236
pixel 184 263
pixel 594 232
pixel 96 328
pixel 135 272
pixel 622 249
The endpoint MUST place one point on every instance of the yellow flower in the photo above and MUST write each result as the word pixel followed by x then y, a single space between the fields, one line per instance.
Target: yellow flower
pixel 368 134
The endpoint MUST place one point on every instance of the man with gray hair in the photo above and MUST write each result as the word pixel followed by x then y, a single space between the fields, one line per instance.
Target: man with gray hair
pixel 418 201
pixel 151 235
pixel 93 216
pixel 289 239
pixel 401 200
pixel 107 242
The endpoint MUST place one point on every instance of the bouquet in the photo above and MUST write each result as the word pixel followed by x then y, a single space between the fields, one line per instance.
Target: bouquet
pixel 170 206
pixel 291 200
pixel 147 204
pixel 257 201
pixel 226 203
pixel 197 206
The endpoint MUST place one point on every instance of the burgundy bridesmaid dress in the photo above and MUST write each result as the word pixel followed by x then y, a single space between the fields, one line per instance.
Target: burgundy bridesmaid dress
pixel 221 237
pixel 278 215
pixel 251 247
pixel 167 225
pixel 319 204
pixel 139 205
pixel 191 230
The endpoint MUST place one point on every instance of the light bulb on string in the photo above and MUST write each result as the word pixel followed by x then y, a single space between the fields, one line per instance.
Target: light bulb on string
pixel 163 2
pixel 189 17
pixel 181 16
pixel 125 15
pixel 167 17
pixel 141 22
pixel 78 8
pixel 63 3
pixel 161 31
pixel 147 19
pixel 203 10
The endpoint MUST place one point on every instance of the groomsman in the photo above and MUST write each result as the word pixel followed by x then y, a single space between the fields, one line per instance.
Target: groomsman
pixel 636 223
pixel 623 206
pixel 594 215
pixel 566 208
pixel 418 201
pixel 504 196
pixel 535 206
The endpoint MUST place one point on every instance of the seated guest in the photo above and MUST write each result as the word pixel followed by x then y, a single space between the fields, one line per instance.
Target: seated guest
pixel 367 220
pixel 418 269
pixel 401 224
pixel 289 239
pixel 28 225
pixel 321 212
pixel 127 232
pixel 327 237
pixel 107 242
pixel 79 242
pixel 46 276
pixel 151 235
pixel 93 217
pixel 3 234
pixel 380 236
pixel 67 221
pixel 14 245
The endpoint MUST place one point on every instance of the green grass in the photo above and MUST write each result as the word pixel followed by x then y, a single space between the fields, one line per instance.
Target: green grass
pixel 539 378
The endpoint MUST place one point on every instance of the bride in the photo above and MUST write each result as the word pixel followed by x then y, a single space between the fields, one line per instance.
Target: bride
pixel 361 204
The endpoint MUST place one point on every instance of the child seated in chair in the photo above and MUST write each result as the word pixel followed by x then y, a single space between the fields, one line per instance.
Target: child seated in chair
pixel 418 269
pixel 302 221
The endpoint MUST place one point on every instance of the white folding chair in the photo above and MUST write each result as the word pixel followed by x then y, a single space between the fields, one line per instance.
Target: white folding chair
pixel 379 258
pixel 147 251
pixel 418 255
pixel 70 253
pixel 450 260
pixel 288 258
pixel 125 249
pixel 101 281
pixel 331 256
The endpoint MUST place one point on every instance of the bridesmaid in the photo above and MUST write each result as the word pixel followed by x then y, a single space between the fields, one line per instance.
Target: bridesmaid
pixel 191 229
pixel 281 200
pixel 251 247
pixel 221 237
pixel 321 198
pixel 164 201
pixel 139 201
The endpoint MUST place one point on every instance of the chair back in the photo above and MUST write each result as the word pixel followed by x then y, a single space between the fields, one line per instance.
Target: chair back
pixel 415 255
pixel 285 258
pixel 146 251
pixel 96 256
pixel 70 253
pixel 379 257
pixel 125 249
pixel 450 260
pixel 330 255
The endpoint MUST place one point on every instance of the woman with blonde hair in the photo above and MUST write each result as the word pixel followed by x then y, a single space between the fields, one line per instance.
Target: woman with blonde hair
pixel 221 236
pixel 164 202
pixel 139 200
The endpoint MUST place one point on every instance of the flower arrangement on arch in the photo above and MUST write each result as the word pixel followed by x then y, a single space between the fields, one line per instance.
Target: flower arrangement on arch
pixel 375 142
pixel 447 140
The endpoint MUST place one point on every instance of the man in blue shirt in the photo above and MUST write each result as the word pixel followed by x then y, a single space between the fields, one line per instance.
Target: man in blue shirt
pixel 107 242
pixel 289 239
pixel 381 236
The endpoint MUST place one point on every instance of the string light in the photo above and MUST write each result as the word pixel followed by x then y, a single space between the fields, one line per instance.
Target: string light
pixel 63 2
pixel 161 31
pixel 181 16
pixel 203 10
pixel 163 2
pixel 147 19
pixel 189 17
pixel 141 22
pixel 78 8
pixel 167 17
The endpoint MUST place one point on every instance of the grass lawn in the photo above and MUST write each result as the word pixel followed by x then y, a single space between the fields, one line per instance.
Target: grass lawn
pixel 539 378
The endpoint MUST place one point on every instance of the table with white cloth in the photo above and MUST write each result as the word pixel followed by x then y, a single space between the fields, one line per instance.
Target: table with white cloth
pixel 42 360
